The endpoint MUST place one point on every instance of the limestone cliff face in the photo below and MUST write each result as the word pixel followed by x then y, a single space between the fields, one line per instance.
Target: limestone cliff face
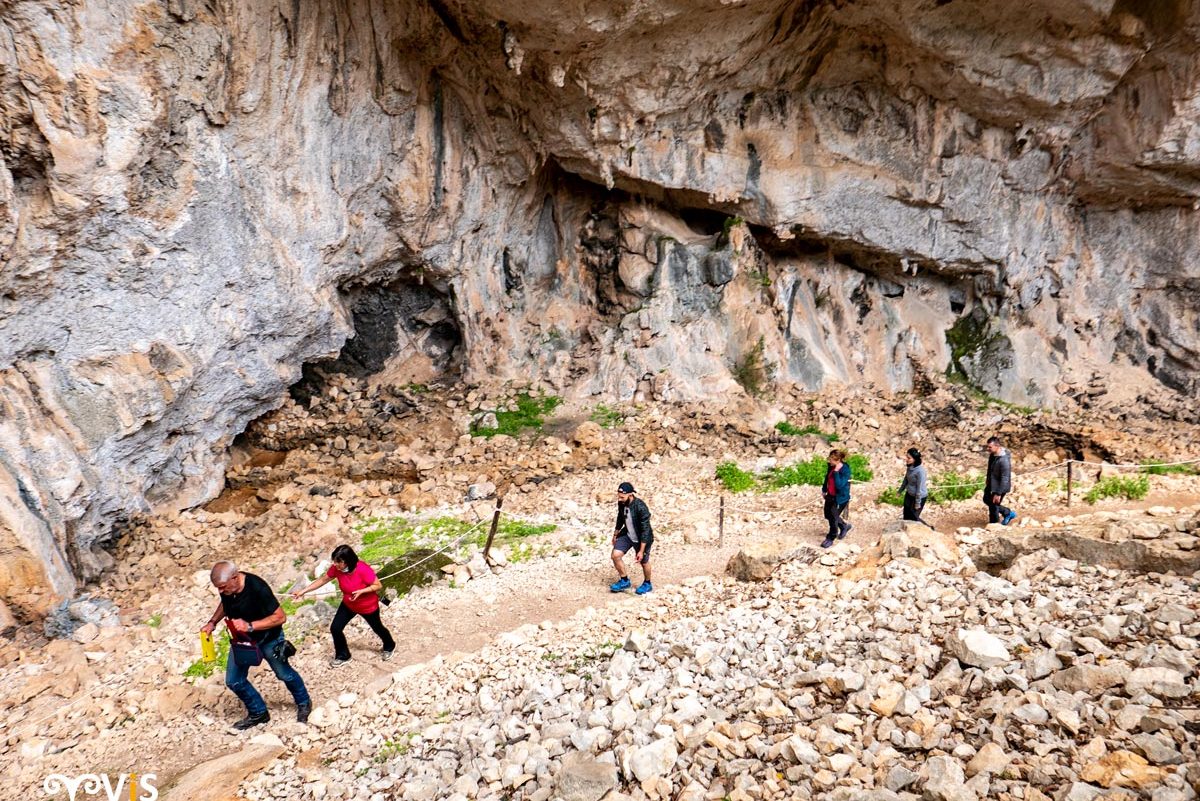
pixel 197 197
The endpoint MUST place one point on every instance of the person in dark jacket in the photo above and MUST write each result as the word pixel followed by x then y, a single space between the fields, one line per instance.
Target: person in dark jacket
pixel 634 533
pixel 915 486
pixel 836 491
pixel 999 482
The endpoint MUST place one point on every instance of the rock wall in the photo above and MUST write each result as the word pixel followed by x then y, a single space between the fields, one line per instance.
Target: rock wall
pixel 198 196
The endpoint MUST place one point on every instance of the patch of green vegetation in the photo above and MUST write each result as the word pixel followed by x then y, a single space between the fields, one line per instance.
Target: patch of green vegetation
pixel 155 620
pixel 529 414
pixel 1055 485
pixel 1161 469
pixel 812 472
pixel 730 224
pixel 289 606
pixel 753 371
pixel 417 389
pixel 606 416
pixel 394 748
pixel 943 488
pixel 761 277
pixel 1131 488
pixel 891 497
pixel 735 478
pixel 523 552
pixel 201 669
pixel 951 486
pixel 787 429
pixel 396 545
pixel 969 335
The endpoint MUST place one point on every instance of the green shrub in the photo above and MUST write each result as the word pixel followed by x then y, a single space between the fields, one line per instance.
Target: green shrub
pixel 394 748
pixel 951 486
pixel 789 430
pixel 812 472
pixel 390 538
pixel 529 414
pixel 1160 469
pixel 735 478
pixel 606 417
pixel 753 371
pixel 1131 488
pixel 201 669
pixel 943 488
pixel 155 620
pixel 860 467
pixel 290 607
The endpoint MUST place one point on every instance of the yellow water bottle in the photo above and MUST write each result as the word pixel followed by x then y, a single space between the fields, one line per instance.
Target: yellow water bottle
pixel 208 651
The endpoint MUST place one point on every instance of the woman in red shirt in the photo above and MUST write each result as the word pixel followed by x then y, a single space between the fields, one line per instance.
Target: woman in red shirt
pixel 360 596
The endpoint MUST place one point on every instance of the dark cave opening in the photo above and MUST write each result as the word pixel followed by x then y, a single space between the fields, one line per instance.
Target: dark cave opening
pixel 404 331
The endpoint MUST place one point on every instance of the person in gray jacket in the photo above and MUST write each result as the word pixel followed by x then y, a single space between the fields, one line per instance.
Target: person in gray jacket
pixel 915 486
pixel 999 482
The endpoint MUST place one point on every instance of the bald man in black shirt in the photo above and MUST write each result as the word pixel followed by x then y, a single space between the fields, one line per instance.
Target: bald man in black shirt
pixel 254 616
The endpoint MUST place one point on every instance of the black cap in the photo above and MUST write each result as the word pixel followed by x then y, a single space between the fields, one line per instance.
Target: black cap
pixel 625 487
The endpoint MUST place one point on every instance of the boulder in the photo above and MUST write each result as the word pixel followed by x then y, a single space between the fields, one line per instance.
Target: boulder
pixel 218 779
pixel 1123 769
pixel 977 648
pixel 756 562
pixel 1157 681
pixel 654 760
pixel 584 778
pixel 1090 679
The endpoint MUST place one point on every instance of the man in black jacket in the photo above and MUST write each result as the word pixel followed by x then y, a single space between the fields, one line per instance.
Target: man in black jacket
pixel 633 532
pixel 999 482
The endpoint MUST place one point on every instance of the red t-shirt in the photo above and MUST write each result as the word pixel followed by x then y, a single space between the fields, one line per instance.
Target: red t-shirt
pixel 358 578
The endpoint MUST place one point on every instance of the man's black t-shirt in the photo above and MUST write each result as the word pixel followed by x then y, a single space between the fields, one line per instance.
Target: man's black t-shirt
pixel 254 602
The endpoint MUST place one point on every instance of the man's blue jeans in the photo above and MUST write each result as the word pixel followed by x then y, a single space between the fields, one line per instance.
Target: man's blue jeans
pixel 235 677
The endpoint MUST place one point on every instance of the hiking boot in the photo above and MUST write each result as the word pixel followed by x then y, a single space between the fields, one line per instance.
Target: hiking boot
pixel 827 543
pixel 1008 518
pixel 621 585
pixel 250 721
pixel 302 712
pixel 387 655
pixel 644 588
pixel 335 662
pixel 843 530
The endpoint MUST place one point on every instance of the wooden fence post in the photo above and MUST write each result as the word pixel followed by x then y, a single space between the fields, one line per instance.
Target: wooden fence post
pixel 495 524
pixel 1069 479
pixel 721 524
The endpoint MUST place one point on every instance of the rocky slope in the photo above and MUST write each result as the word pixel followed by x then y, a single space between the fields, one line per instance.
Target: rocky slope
pixel 197 199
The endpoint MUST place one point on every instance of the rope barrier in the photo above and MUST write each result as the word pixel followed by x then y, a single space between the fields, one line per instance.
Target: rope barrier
pixel 1146 466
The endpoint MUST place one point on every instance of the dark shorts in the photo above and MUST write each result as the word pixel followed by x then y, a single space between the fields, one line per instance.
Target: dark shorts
pixel 624 544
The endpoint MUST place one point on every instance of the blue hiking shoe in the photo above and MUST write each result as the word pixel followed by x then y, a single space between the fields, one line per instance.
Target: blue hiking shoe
pixel 644 588
pixel 621 585
pixel 827 543
pixel 1008 518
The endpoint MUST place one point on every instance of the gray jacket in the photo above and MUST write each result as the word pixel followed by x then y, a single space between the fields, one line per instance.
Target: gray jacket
pixel 916 481
pixel 999 475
